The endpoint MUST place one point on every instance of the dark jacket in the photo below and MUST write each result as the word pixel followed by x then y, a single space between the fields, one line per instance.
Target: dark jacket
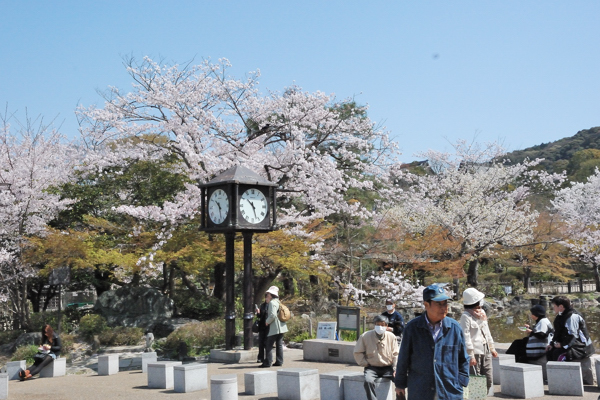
pixel 425 367
pixel 262 317
pixel 571 332
pixel 396 322
pixel 55 346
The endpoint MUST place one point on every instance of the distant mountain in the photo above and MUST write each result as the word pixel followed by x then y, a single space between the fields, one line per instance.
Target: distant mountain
pixel 558 155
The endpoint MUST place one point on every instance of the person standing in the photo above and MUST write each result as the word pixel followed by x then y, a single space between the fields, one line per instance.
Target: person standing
pixel 376 351
pixel 479 341
pixel 263 329
pixel 276 330
pixel 50 346
pixel 396 322
pixel 571 340
pixel 433 362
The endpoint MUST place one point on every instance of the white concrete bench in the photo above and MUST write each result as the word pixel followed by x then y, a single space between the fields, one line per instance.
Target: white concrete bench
pixel 3 386
pixel 331 351
pixel 502 359
pixel 298 384
pixel 260 382
pixel 13 368
pixel 190 378
pixel 564 378
pixel 147 358
pixel 587 370
pixel 332 386
pixel 223 387
pixel 56 368
pixel 108 364
pixel 542 361
pixel 523 381
pixel 160 374
pixel 354 388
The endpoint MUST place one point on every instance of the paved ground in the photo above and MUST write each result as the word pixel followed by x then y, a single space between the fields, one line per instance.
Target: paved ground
pixel 133 384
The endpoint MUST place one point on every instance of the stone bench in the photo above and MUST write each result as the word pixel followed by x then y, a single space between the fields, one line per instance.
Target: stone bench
pixel 564 378
pixel 298 384
pixel 56 368
pixel 160 374
pixel 260 382
pixel 223 387
pixel 332 386
pixel 523 381
pixel 13 368
pixel 587 369
pixel 4 386
pixel 354 388
pixel 331 351
pixel 502 359
pixel 190 378
pixel 542 361
pixel 108 364
pixel 145 359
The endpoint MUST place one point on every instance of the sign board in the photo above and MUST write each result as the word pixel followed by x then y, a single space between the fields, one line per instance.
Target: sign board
pixel 60 276
pixel 348 321
pixel 326 330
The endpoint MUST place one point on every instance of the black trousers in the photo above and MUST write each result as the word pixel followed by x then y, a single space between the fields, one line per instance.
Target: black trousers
pixel 278 340
pixel 262 344
pixel 372 373
pixel 38 365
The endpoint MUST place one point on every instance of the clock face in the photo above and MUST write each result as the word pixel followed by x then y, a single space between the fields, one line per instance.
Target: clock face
pixel 253 206
pixel 218 206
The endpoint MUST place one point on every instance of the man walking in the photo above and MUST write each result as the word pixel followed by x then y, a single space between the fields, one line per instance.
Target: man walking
pixel 433 363
pixel 376 350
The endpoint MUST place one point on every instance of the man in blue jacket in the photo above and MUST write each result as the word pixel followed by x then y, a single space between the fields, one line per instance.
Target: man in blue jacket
pixel 433 361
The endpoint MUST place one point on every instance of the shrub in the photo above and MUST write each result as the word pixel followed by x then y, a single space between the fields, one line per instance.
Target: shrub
pixel 25 353
pixel 38 320
pixel 121 336
pixel 197 307
pixel 91 325
pixel 298 329
pixel 67 343
pixel 198 337
pixel 9 336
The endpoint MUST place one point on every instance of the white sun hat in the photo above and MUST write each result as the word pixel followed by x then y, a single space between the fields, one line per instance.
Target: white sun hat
pixel 472 296
pixel 274 290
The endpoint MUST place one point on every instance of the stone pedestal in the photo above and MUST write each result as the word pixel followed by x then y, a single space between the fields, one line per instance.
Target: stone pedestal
pixel 587 370
pixel 190 378
pixel 523 381
pixel 354 388
pixel 298 384
pixel 332 386
pixel 260 382
pixel 56 368
pixel 148 358
pixel 542 361
pixel 160 374
pixel 223 387
pixel 233 356
pixel 564 378
pixel 331 351
pixel 502 359
pixel 3 386
pixel 108 364
pixel 13 367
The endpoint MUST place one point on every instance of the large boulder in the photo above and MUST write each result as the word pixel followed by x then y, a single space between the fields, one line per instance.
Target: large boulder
pixel 134 306
pixel 24 339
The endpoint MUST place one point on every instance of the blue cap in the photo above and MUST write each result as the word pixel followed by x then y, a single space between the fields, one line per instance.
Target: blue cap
pixel 434 293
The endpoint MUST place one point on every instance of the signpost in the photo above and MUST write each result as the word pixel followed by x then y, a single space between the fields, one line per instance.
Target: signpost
pixel 348 319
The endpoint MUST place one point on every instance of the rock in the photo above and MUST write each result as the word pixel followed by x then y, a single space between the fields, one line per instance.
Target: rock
pixel 305 316
pixel 163 327
pixel 27 339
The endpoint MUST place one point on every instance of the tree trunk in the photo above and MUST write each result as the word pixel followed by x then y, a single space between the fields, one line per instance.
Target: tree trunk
pixel 597 277
pixel 315 292
pixel 261 284
pixel 288 286
pixel 473 273
pixel 527 279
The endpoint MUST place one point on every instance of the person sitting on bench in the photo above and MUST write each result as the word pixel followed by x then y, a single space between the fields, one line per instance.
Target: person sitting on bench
pixel 49 350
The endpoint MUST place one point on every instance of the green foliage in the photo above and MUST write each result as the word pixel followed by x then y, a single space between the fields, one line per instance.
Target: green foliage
pixel 198 337
pixel 298 329
pixel 91 325
pixel 348 336
pixel 9 336
pixel 121 336
pixel 199 306
pixel 67 343
pixel 38 320
pixel 25 353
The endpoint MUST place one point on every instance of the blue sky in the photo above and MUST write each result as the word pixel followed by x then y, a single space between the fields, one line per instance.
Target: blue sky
pixel 521 72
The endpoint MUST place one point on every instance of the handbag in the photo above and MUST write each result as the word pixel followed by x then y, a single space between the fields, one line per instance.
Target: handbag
pixel 255 326
pixel 477 389
pixel 40 356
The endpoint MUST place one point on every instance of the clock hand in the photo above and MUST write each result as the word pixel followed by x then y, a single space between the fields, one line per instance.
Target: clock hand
pixel 253 208
pixel 220 211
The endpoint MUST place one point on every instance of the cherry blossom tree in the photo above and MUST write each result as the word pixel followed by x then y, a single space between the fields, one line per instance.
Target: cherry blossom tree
pixel 580 208
pixel 476 198
pixel 315 148
pixel 34 159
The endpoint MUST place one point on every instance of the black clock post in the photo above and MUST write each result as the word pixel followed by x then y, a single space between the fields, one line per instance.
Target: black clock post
pixel 238 200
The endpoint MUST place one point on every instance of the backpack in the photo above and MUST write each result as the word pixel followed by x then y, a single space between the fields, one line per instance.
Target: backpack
pixel 284 314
